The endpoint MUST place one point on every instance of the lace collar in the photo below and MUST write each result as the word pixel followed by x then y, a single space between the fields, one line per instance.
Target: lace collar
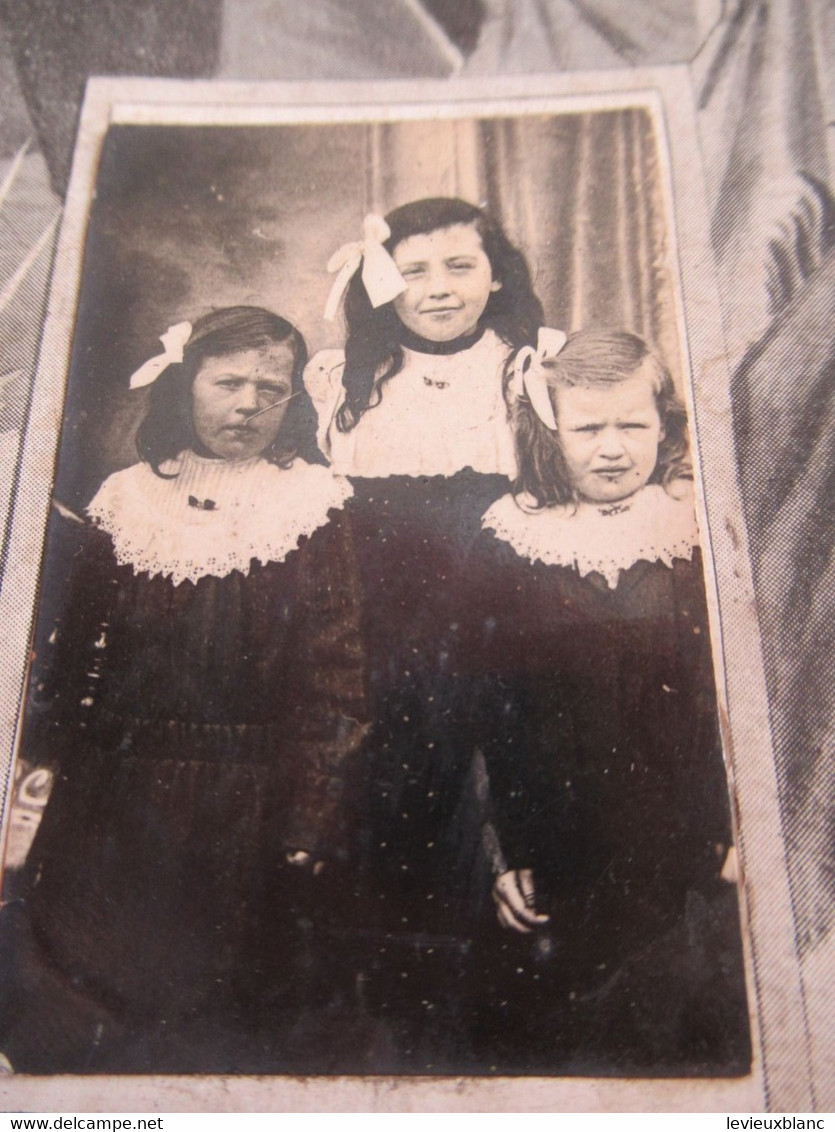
pixel 651 526
pixel 214 516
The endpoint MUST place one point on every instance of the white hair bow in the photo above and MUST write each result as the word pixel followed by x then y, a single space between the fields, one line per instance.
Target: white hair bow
pixel 380 277
pixel 531 380
pixel 174 340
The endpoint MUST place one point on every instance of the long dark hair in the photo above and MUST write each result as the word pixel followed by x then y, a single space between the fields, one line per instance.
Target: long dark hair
pixel 596 359
pixel 373 350
pixel 168 427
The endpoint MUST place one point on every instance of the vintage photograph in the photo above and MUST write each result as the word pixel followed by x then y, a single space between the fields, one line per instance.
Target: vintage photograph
pixel 741 101
pixel 374 716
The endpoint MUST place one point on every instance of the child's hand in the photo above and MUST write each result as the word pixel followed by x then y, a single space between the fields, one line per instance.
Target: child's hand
pixel 301 859
pixel 515 899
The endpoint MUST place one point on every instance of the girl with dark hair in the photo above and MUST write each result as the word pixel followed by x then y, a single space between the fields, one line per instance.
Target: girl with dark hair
pixel 596 712
pixel 169 429
pixel 483 299
pixel 414 412
pixel 204 694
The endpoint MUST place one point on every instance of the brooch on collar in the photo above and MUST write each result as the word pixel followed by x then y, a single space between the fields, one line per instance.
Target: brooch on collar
pixel 202 504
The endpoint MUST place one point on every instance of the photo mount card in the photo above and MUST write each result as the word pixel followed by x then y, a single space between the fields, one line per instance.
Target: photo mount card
pixel 190 197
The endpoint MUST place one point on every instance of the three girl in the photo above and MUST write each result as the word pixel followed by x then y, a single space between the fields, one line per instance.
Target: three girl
pixel 227 618
pixel 204 697
pixel 597 718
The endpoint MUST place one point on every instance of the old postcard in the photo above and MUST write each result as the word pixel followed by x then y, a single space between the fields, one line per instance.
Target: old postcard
pixel 389 722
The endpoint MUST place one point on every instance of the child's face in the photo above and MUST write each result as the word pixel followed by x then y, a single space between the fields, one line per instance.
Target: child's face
pixel 610 436
pixel 227 391
pixel 449 280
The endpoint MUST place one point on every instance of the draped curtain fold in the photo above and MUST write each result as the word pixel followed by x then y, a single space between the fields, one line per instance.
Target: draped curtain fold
pixel 766 98
pixel 784 419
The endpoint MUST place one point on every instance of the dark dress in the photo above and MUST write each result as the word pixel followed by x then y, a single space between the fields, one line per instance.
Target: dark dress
pixel 200 731
pixel 423 879
pixel 413 540
pixel 424 463
pixel 596 712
